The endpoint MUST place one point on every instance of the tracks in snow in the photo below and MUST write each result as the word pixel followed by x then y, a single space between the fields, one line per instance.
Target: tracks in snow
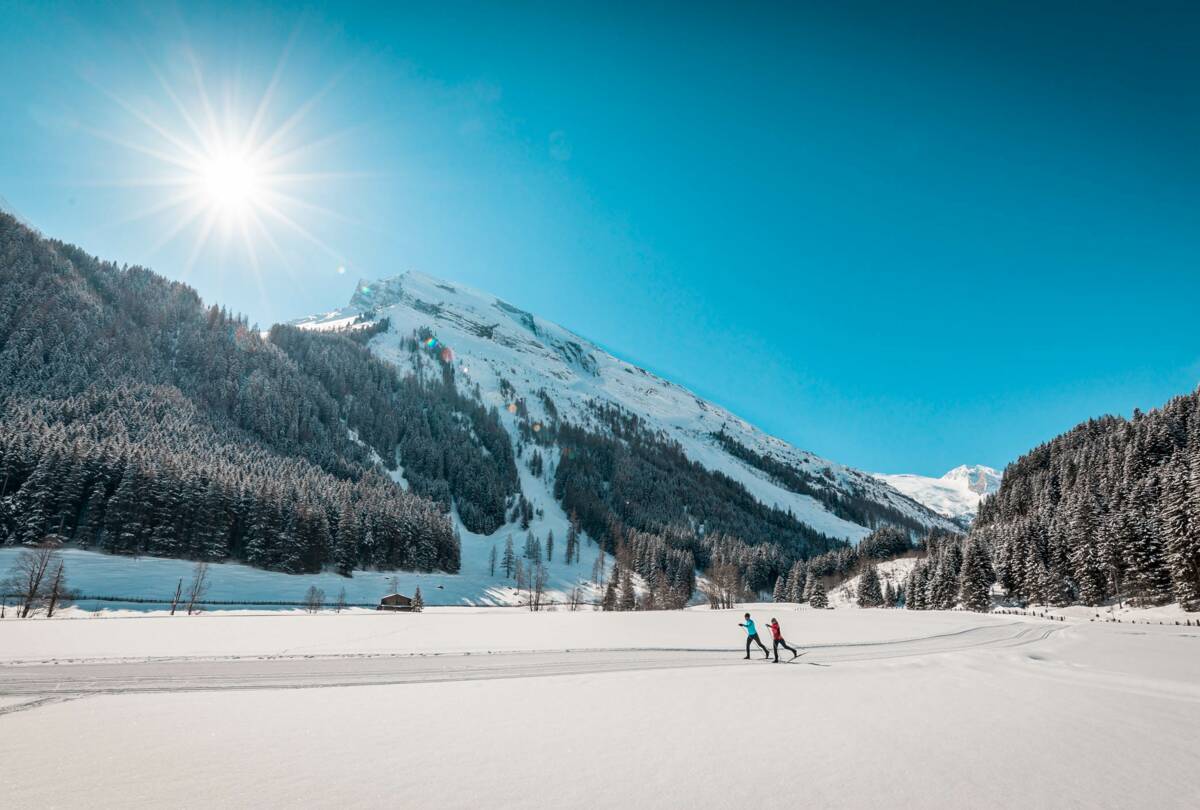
pixel 52 682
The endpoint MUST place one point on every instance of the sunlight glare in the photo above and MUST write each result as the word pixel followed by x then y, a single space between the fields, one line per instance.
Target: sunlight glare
pixel 230 181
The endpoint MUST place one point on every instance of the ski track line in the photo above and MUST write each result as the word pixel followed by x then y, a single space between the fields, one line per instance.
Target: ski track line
pixel 56 682
pixel 294 652
pixel 37 703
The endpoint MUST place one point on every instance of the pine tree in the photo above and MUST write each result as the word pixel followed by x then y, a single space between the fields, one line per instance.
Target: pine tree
pixel 976 582
pixel 781 589
pixel 418 602
pixel 797 577
pixel 509 560
pixel 550 546
pixel 1147 558
pixel 1181 524
pixel 123 516
pixel 869 593
pixel 573 539
pixel 627 600
pixel 889 595
pixel 492 561
pixel 914 588
pixel 609 601
pixel 818 599
pixel 346 544
pixel 1082 540
pixel 810 584
pixel 93 516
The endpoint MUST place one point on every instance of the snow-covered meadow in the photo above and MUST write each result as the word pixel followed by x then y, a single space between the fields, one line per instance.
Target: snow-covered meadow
pixel 236 586
pixel 921 709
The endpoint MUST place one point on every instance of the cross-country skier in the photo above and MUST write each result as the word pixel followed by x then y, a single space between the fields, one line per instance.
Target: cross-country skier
pixel 777 640
pixel 752 637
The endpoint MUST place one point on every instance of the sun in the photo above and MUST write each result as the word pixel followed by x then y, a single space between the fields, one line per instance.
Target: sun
pixel 225 169
pixel 230 182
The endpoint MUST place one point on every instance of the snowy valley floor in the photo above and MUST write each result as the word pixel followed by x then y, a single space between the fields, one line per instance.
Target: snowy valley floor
pixel 504 708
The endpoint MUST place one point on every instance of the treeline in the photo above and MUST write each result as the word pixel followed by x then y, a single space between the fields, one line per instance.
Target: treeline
pixel 1109 509
pixel 619 476
pixel 955 571
pixel 134 419
pixel 885 543
pixel 138 470
pixel 852 506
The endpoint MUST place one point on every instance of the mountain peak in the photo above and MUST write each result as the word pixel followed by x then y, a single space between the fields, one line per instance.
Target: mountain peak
pixel 978 478
pixel 955 495
pixel 537 372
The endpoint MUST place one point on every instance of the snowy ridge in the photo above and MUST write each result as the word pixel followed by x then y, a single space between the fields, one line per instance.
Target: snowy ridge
pixel 956 494
pixel 492 340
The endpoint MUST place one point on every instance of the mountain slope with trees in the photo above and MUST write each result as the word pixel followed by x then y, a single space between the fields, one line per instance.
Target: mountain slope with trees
pixel 136 420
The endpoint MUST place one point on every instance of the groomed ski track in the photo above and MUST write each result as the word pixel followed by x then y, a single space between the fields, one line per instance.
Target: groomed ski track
pixel 38 683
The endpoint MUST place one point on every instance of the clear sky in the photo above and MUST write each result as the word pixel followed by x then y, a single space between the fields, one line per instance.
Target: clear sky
pixel 902 235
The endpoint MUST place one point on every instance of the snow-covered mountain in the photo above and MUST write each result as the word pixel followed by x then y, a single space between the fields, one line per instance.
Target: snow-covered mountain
pixel 956 494
pixel 512 354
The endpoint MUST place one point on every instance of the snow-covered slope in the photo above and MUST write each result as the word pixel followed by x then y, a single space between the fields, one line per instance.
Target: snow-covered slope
pixel 495 344
pixel 845 595
pixel 956 494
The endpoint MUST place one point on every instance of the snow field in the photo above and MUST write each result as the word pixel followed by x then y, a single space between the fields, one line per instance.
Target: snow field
pixel 1083 715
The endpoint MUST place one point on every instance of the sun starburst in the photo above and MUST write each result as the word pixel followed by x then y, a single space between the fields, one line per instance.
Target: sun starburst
pixel 228 173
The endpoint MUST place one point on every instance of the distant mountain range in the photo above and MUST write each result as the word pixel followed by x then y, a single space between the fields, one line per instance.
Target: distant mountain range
pixel 955 495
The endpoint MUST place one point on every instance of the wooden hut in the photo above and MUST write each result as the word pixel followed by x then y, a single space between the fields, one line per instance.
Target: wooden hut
pixel 395 601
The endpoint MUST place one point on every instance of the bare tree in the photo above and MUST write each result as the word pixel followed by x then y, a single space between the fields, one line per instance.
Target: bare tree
pixel 723 587
pixel 28 577
pixel 340 605
pixel 575 598
pixel 56 591
pixel 178 595
pixel 519 575
pixel 537 587
pixel 314 599
pixel 198 586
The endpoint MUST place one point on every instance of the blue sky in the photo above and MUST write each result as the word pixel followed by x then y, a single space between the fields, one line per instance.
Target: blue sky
pixel 904 238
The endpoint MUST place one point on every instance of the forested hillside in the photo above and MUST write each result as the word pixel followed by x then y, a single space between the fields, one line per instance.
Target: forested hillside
pixel 630 477
pixel 134 419
pixel 453 448
pixel 1111 508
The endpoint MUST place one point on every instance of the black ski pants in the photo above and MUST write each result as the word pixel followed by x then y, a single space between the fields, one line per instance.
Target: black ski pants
pixel 781 643
pixel 753 637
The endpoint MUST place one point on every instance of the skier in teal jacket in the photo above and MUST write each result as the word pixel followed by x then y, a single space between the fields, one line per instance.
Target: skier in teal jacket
pixel 752 637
